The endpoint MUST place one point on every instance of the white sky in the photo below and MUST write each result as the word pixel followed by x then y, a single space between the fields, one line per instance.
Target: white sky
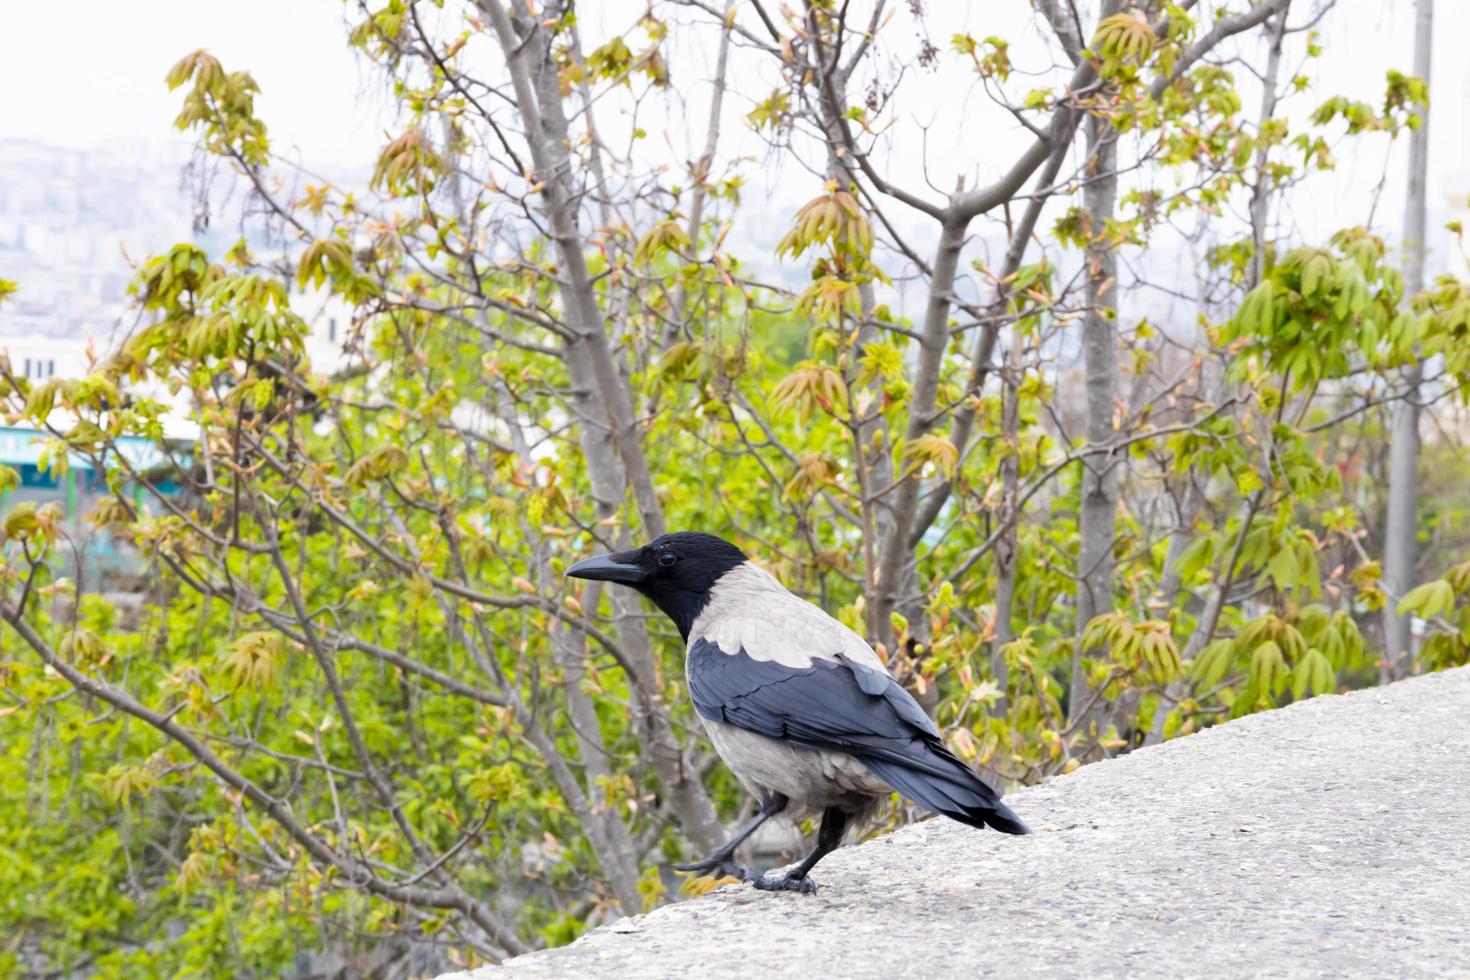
pixel 83 72
pixel 76 73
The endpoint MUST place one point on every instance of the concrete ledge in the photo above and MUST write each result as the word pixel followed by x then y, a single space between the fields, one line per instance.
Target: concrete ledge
pixel 1330 838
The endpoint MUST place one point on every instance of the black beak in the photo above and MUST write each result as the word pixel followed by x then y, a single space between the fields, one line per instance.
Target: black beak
pixel 609 568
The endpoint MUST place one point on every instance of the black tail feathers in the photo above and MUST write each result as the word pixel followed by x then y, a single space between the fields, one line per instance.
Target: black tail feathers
pixel 958 794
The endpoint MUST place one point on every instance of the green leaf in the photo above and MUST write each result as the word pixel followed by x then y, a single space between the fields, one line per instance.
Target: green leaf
pixel 1316 269
pixel 1195 557
pixel 1213 662
pixel 1428 600
pixel 1268 669
pixel 1313 673
pixel 1282 569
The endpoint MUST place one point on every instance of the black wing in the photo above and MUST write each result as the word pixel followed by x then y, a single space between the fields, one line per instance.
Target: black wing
pixel 844 706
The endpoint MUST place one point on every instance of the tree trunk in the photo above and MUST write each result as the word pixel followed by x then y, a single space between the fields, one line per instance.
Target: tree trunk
pixel 1007 547
pixel 600 394
pixel 873 456
pixel 896 576
pixel 538 99
pixel 1261 192
pixel 1400 532
pixel 1100 355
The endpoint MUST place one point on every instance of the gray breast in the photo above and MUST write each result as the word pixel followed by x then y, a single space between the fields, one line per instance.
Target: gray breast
pixel 812 780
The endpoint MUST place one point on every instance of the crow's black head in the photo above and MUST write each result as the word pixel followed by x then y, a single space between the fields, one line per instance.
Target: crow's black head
pixel 676 571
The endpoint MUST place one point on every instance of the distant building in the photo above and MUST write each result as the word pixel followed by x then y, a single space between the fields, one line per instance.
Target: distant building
pixel 73 226
pixel 107 564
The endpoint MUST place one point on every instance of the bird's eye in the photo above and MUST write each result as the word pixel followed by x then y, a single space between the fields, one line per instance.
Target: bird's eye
pixel 667 558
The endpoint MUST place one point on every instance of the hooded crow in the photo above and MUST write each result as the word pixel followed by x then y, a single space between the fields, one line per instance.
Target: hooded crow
pixel 797 705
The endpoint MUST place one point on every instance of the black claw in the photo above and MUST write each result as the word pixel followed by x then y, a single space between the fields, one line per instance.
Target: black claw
pixel 785 883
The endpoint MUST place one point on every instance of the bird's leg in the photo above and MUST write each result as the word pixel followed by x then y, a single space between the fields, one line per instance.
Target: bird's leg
pixel 722 862
pixel 834 823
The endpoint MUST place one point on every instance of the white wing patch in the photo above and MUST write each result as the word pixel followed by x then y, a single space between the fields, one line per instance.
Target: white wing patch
pixel 750 610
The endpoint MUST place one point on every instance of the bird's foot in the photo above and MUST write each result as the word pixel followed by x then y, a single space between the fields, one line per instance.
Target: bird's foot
pixel 716 867
pixel 785 883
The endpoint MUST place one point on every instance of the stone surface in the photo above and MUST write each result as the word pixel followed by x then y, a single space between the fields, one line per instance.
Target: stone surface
pixel 1330 838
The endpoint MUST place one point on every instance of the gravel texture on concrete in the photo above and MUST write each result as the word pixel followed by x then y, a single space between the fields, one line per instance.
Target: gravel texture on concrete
pixel 1330 838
